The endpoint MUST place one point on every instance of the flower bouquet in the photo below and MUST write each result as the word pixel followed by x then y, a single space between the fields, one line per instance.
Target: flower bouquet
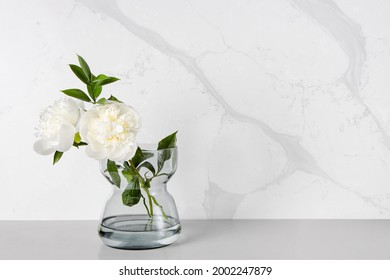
pixel 108 130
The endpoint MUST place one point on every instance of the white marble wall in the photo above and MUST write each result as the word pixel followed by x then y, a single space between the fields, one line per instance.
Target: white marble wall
pixel 282 107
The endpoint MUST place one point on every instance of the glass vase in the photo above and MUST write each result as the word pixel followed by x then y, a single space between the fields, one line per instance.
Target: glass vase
pixel 152 220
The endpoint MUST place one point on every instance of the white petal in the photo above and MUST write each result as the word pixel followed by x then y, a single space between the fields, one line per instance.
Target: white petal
pixel 73 111
pixel 87 120
pixel 83 126
pixel 66 137
pixel 123 154
pixel 126 109
pixel 95 154
pixel 118 154
pixel 42 147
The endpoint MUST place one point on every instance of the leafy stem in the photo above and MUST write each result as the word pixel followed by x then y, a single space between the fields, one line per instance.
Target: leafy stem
pixel 93 83
pixel 145 185
pixel 94 86
pixel 140 184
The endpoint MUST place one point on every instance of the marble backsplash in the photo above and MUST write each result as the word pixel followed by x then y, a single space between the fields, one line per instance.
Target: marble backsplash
pixel 282 107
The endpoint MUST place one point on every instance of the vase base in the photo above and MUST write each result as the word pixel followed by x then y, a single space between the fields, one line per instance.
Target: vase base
pixel 139 231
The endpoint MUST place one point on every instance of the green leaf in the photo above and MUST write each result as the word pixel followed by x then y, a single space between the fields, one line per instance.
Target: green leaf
pixel 79 73
pixel 164 155
pixel 85 68
pixel 132 195
pixel 147 165
pixel 128 174
pixel 96 92
pixel 101 81
pixel 77 93
pixel 147 154
pixel 113 171
pixel 167 142
pixel 100 77
pixel 90 91
pixel 140 156
pixel 113 98
pixel 127 165
pixel 57 156
pixel 102 101
pixel 77 141
pixel 77 145
pixel 77 138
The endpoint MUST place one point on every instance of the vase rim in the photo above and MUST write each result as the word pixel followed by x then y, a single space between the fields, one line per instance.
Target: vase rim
pixel 151 147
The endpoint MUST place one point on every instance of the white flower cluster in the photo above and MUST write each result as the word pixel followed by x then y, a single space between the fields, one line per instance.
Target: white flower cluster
pixel 57 126
pixel 109 129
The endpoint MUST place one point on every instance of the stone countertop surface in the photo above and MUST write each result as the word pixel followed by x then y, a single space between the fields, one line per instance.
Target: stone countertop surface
pixel 206 239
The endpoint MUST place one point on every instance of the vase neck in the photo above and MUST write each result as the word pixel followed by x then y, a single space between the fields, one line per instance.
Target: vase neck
pixel 158 187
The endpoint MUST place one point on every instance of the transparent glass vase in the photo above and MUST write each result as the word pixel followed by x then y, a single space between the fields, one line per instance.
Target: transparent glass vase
pixel 151 222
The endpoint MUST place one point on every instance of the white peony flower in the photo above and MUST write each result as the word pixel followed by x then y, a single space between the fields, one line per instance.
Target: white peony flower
pixel 110 131
pixel 57 126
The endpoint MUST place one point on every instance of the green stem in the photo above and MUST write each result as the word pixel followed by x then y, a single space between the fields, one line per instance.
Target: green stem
pixel 161 208
pixel 144 188
pixel 157 175
pixel 146 206
pixel 151 198
pixel 150 203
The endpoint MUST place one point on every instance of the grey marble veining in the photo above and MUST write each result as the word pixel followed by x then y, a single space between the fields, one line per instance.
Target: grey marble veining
pixel 281 106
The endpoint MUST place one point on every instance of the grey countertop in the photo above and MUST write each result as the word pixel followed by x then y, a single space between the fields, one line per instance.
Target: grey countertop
pixel 206 239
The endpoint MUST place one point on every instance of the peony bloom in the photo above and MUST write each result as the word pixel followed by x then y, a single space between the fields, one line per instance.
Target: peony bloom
pixel 57 126
pixel 110 131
